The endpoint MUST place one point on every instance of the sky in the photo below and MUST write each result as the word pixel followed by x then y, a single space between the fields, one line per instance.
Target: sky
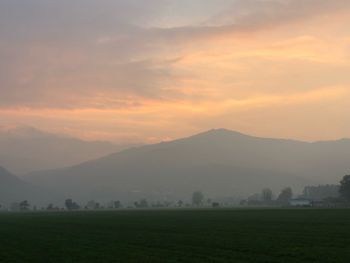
pixel 156 70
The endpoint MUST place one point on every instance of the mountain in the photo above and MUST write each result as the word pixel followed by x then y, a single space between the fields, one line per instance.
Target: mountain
pixel 218 162
pixel 13 189
pixel 25 149
pixel 8 180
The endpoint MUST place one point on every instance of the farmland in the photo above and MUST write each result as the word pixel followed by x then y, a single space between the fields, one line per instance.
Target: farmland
pixel 241 235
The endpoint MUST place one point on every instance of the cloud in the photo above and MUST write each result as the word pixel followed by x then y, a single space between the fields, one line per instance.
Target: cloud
pixel 257 14
pixel 242 16
pixel 124 63
pixel 61 53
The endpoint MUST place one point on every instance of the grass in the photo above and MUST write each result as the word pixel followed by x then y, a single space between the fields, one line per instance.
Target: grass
pixel 301 235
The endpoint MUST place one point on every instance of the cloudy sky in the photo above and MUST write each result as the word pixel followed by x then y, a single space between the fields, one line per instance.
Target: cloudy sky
pixel 152 70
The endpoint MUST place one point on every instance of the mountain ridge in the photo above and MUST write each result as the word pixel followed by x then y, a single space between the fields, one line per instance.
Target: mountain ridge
pixel 26 149
pixel 14 189
pixel 239 160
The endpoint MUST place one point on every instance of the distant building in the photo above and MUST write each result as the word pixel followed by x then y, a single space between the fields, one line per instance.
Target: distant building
pixel 321 192
pixel 300 202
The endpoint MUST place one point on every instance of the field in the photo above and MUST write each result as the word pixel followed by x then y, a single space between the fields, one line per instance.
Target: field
pixel 251 235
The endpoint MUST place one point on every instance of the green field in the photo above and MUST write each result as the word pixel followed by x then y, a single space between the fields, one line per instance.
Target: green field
pixel 302 235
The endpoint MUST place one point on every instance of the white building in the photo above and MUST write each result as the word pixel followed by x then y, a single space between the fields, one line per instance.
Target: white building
pixel 300 202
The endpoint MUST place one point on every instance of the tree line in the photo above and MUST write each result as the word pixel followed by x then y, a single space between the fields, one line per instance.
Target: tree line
pixel 265 197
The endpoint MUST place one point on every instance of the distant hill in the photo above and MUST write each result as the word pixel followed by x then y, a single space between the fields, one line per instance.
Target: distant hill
pixel 25 149
pixel 8 180
pixel 13 189
pixel 218 162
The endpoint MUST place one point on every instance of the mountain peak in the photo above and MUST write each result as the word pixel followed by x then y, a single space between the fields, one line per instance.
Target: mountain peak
pixel 221 133
pixel 225 131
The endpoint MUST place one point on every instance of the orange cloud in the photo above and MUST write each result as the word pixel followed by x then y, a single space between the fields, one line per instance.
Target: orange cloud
pixel 148 84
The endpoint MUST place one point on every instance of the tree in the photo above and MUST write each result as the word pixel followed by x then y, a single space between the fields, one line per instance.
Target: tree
pixel 215 205
pixel 267 195
pixel 117 204
pixel 197 198
pixel 51 207
pixel 70 205
pixel 285 196
pixel 344 189
pixel 24 205
pixel 141 204
pixel 92 205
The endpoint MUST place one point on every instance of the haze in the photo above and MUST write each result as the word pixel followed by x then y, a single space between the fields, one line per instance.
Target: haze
pixel 175 131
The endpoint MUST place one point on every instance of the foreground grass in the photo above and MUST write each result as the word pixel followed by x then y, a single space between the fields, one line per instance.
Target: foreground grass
pixel 177 236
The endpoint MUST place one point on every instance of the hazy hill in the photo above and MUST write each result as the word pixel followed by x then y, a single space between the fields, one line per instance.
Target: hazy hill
pixel 219 162
pixel 8 180
pixel 13 189
pixel 25 149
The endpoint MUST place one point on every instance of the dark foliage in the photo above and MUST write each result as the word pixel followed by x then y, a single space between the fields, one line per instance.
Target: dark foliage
pixel 345 187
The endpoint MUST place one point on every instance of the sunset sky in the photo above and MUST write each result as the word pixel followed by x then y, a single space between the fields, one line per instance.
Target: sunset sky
pixel 153 70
